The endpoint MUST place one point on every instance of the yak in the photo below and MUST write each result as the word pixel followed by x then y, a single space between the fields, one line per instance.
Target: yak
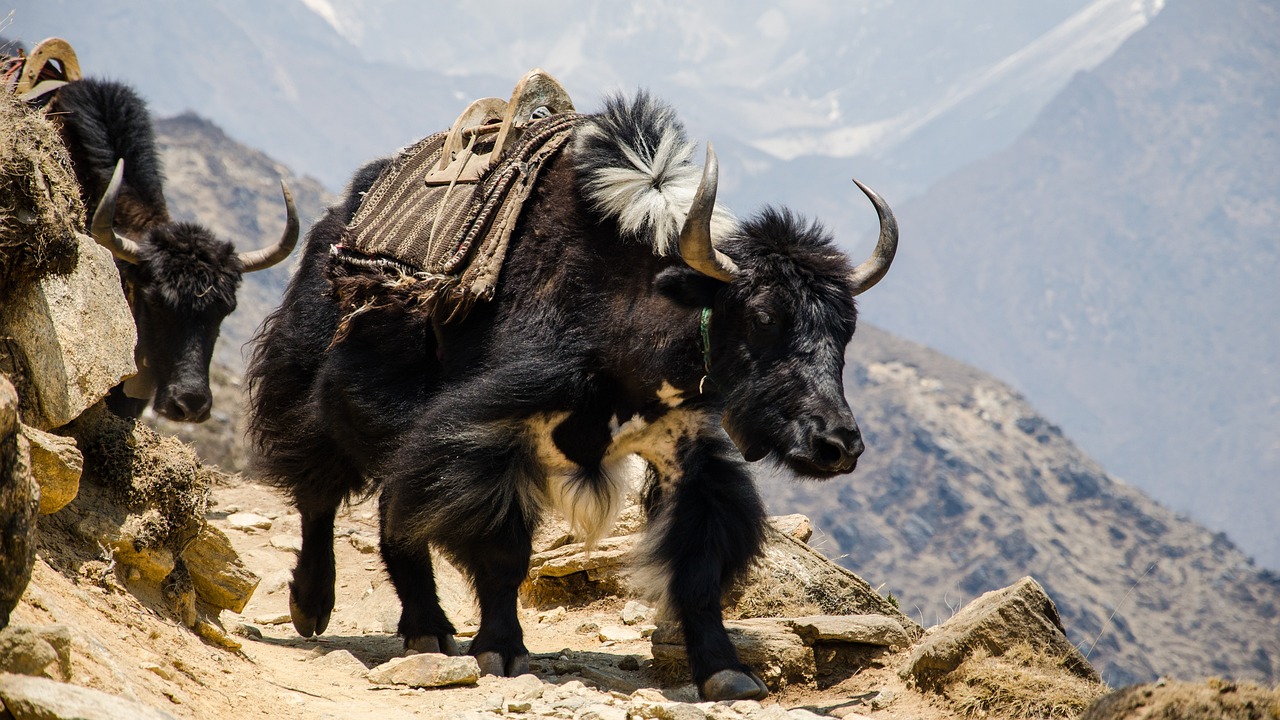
pixel 180 279
pixel 632 319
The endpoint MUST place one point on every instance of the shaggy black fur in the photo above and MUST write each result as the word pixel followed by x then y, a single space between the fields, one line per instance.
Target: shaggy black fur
pixel 590 336
pixel 186 280
pixel 101 122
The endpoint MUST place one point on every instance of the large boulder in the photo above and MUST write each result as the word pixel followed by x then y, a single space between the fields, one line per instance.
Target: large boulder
pixel 75 334
pixel 1006 654
pixel 995 623
pixel 19 501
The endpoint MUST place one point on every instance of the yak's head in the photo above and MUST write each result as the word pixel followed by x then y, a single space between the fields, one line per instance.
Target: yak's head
pixel 779 311
pixel 182 282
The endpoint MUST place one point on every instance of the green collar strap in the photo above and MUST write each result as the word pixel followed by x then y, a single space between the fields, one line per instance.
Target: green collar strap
pixel 705 328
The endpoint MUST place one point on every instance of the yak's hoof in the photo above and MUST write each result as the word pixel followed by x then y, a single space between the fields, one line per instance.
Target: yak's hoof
pixel 491 663
pixel 307 625
pixel 443 644
pixel 733 685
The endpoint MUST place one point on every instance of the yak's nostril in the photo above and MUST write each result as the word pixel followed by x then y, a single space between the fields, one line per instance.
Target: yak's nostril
pixel 828 453
pixel 190 406
pixel 838 449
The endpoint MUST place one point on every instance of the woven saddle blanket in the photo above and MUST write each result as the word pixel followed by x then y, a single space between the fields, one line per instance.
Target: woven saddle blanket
pixel 439 237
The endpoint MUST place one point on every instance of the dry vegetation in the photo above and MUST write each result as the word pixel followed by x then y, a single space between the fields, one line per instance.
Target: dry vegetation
pixel 40 203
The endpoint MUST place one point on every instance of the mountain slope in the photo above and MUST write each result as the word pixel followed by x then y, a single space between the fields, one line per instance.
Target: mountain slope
pixel 964 488
pixel 1118 265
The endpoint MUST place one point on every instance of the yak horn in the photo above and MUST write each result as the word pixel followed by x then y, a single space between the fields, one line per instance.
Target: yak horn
pixel 266 257
pixel 695 236
pixel 875 267
pixel 103 226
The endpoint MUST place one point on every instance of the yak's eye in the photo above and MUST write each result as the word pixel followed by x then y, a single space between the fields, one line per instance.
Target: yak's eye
pixel 764 319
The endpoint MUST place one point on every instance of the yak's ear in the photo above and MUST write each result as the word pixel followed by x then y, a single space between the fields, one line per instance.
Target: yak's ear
pixel 687 286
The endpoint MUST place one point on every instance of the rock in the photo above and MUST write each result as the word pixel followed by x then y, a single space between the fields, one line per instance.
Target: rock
pixel 29 649
pixel 615 633
pixel 248 522
pixel 76 334
pixel 666 710
pixel 524 687
pixel 996 622
pixel 600 711
pixel 769 646
pixel 157 670
pixel 552 615
pixel 1214 698
pixel 288 543
pixel 215 635
pixel 56 465
pixel 802 714
pixel 342 660
pixel 608 555
pixel 34 698
pixel 427 670
pixel 19 503
pixel 124 536
pixel 277 619
pixel 865 629
pixel 794 580
pixel 796 526
pixel 635 612
pixel 363 543
pixel 245 630
pixel 219 576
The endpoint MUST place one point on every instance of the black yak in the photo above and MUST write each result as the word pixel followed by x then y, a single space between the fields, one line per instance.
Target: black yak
pixel 631 319
pixel 180 279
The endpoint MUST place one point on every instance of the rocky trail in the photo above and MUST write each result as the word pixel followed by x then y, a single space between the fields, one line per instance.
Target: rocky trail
pixel 587 661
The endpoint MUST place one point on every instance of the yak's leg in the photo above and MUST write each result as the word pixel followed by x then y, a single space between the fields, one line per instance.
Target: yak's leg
pixel 498 564
pixel 423 623
pixel 707 525
pixel 311 590
pixel 317 494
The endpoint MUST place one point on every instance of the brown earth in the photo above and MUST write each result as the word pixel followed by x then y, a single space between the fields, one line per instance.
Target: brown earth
pixel 124 646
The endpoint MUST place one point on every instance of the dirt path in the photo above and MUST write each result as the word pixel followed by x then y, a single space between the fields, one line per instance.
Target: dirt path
pixel 123 647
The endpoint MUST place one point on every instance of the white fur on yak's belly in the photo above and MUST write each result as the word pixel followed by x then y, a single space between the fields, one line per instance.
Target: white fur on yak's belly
pixel 591 503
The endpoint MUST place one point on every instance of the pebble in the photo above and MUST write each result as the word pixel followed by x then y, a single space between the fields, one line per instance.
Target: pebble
pixel 279 619
pixel 248 522
pixel 427 670
pixel 601 712
pixel 619 634
pixel 552 615
pixel 634 613
pixel 363 543
pixel 288 543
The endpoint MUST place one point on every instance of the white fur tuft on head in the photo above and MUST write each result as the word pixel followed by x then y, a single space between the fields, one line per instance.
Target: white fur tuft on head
pixel 638 169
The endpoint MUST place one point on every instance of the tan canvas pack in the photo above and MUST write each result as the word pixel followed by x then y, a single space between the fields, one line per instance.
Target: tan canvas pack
pixel 441 213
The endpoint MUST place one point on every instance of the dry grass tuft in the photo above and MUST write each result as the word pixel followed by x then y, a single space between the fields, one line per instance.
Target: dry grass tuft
pixel 40 206
pixel 1211 699
pixel 158 479
pixel 1022 683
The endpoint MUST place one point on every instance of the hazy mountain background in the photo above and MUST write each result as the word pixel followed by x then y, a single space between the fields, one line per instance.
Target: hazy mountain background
pixel 1120 262
pixel 1110 259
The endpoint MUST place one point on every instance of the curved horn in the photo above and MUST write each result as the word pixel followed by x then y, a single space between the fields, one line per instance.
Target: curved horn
pixel 695 236
pixel 266 257
pixel 875 267
pixel 103 226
